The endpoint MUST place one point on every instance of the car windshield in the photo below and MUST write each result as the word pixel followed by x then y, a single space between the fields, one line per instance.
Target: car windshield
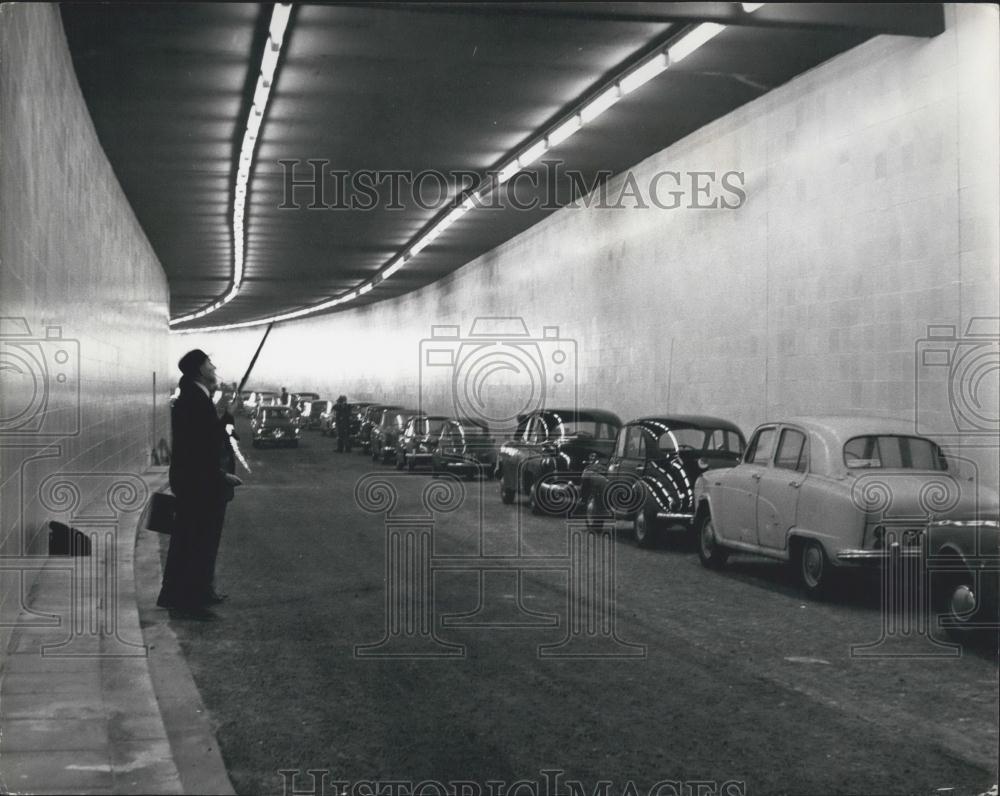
pixel 891 452
pixel 472 429
pixel 700 439
pixel 426 425
pixel 274 413
pixel 593 429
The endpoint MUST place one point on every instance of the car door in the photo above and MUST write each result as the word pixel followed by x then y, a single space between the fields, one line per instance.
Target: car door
pixel 734 503
pixel 778 489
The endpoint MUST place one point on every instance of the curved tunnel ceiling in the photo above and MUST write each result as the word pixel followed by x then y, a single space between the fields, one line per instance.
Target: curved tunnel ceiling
pixel 441 88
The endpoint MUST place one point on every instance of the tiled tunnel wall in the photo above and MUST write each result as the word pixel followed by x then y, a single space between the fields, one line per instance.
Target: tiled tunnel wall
pixel 871 215
pixel 84 304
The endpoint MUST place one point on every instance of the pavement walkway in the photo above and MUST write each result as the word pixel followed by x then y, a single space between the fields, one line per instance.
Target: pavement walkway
pixel 92 701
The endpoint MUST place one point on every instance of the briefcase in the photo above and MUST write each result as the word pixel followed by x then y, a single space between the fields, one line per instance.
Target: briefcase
pixel 161 512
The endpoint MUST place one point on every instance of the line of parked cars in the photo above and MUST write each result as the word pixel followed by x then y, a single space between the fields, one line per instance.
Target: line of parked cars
pixel 823 494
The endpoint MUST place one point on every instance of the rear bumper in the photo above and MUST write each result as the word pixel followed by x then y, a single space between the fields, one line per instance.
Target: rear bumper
pixel 862 558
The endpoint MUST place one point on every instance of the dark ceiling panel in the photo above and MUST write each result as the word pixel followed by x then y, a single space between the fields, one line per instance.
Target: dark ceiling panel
pixel 401 87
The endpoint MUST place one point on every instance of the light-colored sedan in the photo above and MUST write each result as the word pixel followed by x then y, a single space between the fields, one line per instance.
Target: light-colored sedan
pixel 830 492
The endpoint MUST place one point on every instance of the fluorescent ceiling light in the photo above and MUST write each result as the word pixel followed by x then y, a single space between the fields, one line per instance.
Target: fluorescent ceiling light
pixel 564 131
pixel 508 171
pixel 690 42
pixel 532 153
pixel 392 269
pixel 599 104
pixel 279 21
pixel 644 73
pixel 364 289
pixel 270 61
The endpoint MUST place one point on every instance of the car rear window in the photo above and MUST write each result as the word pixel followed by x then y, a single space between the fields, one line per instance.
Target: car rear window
pixel 892 452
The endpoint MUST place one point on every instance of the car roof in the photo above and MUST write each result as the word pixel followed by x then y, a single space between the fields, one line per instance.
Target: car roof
pixel 698 421
pixel 828 433
pixel 576 415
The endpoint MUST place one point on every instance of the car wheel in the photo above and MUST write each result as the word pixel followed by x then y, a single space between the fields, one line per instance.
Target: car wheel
pixel 959 602
pixel 595 520
pixel 506 495
pixel 642 528
pixel 533 502
pixel 711 554
pixel 814 568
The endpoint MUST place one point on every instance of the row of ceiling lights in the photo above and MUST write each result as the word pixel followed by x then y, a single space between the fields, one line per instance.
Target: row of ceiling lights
pixel 637 76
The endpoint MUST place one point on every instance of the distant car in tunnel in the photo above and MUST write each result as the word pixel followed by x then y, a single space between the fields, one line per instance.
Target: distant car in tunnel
pixel 371 417
pixel 311 413
pixel 385 433
pixel 650 475
pixel 548 453
pixel 465 448
pixel 418 440
pixel 828 493
pixel 274 425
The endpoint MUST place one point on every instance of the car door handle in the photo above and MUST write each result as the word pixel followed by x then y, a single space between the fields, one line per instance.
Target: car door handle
pixel 755 476
pixel 796 484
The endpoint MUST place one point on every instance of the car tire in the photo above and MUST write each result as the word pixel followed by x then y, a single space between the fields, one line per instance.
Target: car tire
pixel 960 603
pixel 507 496
pixel 711 554
pixel 533 502
pixel 595 520
pixel 814 568
pixel 642 528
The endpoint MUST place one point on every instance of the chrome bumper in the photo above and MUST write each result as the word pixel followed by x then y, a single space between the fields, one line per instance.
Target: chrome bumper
pixel 862 557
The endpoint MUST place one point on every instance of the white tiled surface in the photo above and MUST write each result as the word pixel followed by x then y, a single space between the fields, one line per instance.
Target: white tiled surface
pixel 72 257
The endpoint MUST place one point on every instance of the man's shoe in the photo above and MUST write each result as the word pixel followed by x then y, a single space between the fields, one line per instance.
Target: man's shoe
pixel 214 598
pixel 193 614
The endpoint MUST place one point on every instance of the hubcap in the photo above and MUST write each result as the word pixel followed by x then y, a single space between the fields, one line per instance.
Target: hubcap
pixel 963 601
pixel 812 564
pixel 707 539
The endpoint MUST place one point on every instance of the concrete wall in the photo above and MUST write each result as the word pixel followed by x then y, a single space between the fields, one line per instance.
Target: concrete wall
pixel 84 302
pixel 872 213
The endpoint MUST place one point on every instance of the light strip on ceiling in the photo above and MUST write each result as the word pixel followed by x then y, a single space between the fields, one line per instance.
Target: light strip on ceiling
pixel 262 93
pixel 587 112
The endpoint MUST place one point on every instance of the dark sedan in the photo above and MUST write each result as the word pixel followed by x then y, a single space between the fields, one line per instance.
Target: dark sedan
pixel 650 476
pixel 386 431
pixel 419 440
pixel 370 418
pixel 465 448
pixel 547 455
pixel 274 425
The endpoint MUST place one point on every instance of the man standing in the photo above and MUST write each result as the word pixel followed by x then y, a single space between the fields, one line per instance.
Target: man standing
pixel 202 487
pixel 342 417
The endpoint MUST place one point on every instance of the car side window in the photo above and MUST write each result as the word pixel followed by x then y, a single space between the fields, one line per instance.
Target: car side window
pixel 635 445
pixel 793 451
pixel 760 449
pixel 620 442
